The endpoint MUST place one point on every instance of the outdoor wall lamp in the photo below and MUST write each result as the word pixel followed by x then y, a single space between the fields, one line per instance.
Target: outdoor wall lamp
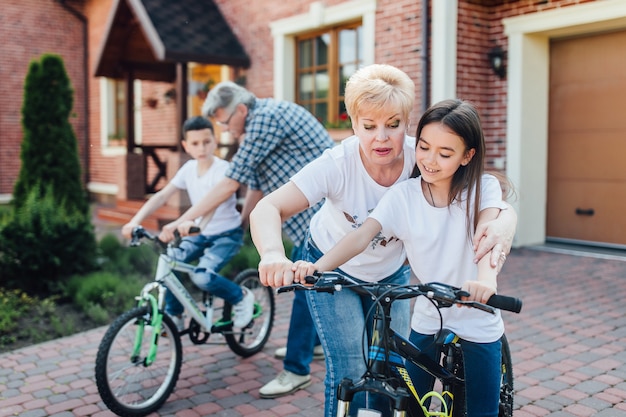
pixel 496 60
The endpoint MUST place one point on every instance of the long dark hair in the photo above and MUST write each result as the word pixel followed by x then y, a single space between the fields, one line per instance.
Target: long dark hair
pixel 462 118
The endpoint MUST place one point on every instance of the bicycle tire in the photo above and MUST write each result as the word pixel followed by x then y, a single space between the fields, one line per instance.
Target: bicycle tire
pixel 506 386
pixel 126 385
pixel 505 407
pixel 251 339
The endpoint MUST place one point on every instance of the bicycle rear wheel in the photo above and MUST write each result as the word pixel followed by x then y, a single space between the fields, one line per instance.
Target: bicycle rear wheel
pixel 506 387
pixel 250 340
pixel 128 385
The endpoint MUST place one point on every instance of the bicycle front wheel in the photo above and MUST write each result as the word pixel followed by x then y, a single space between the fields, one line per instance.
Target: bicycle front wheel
pixel 129 382
pixel 250 339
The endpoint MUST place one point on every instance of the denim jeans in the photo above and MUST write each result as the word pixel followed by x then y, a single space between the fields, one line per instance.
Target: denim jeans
pixel 482 373
pixel 302 337
pixel 340 319
pixel 213 253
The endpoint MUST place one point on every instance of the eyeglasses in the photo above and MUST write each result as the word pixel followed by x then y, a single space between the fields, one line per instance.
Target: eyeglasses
pixel 227 121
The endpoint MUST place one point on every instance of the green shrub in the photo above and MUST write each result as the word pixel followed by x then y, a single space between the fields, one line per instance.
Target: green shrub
pixel 110 247
pixel 248 257
pixel 114 257
pixel 103 295
pixel 13 304
pixel 43 243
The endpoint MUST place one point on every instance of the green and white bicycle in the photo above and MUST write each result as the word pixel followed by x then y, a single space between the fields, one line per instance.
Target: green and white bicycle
pixel 140 356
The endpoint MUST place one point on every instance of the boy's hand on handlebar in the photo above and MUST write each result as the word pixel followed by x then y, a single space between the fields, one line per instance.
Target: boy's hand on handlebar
pixel 167 232
pixel 302 269
pixel 127 229
pixel 275 270
pixel 479 291
pixel 184 227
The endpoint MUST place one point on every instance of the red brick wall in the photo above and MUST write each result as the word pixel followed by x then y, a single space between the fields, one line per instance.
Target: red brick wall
pixel 480 29
pixel 28 29
pixel 101 169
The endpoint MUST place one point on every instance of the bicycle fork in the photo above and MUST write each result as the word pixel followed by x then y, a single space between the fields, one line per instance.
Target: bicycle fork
pixel 375 380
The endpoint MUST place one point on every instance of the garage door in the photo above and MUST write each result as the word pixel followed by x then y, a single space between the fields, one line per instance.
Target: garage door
pixel 587 139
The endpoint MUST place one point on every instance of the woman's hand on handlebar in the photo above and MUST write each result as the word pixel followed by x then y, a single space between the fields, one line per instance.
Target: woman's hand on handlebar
pixel 302 269
pixel 275 270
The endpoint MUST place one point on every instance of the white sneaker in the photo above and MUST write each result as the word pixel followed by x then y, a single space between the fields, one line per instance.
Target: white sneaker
pixel 318 352
pixel 285 383
pixel 244 309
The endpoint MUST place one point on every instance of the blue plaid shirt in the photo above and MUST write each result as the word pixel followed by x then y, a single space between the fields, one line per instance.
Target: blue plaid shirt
pixel 280 138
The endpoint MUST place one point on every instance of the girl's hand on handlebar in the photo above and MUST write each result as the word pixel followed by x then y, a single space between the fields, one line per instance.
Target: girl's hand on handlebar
pixel 275 270
pixel 479 291
pixel 302 269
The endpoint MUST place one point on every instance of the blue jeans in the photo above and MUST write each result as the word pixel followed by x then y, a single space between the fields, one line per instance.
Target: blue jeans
pixel 213 253
pixel 340 319
pixel 302 337
pixel 482 373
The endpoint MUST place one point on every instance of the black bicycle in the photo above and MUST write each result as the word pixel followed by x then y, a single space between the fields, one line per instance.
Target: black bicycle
pixel 386 374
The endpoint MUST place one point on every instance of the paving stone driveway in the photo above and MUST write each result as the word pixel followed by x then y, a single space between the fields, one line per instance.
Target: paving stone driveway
pixel 568 345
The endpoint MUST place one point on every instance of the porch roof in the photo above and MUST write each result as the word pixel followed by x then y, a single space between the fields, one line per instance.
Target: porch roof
pixel 149 37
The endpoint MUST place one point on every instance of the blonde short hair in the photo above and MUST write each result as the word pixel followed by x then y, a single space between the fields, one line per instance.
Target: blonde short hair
pixel 379 87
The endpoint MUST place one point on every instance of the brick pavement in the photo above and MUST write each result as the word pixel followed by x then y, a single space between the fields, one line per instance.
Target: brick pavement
pixel 568 345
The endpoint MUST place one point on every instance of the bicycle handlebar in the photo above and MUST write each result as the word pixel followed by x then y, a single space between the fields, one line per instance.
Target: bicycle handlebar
pixel 139 233
pixel 445 295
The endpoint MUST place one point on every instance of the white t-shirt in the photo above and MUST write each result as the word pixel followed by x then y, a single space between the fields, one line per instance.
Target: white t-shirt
pixel 439 249
pixel 339 176
pixel 226 216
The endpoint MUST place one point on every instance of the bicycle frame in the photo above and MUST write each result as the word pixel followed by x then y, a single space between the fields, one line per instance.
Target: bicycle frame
pixel 165 277
pixel 386 350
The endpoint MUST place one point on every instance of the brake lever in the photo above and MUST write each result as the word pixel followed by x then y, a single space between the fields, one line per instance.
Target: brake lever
pixel 312 286
pixel 479 306
pixel 289 288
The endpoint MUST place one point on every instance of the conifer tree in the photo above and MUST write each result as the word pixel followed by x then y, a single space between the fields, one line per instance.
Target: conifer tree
pixel 49 235
pixel 49 150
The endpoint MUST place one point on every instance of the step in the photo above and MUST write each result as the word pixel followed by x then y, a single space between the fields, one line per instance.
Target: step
pixel 124 211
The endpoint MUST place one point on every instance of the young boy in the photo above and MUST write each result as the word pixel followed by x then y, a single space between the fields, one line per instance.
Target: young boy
pixel 220 239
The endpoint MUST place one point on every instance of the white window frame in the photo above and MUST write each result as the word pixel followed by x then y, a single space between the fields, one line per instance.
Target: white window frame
pixel 106 101
pixel 285 30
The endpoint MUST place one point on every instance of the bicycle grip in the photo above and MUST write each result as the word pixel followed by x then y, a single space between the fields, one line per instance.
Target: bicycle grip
pixel 504 302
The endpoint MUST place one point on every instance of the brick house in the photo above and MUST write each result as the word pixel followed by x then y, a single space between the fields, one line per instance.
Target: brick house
pixel 551 111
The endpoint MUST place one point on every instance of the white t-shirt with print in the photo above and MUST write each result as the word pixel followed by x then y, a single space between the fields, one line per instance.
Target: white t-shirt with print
pixel 439 249
pixel 339 176
pixel 226 216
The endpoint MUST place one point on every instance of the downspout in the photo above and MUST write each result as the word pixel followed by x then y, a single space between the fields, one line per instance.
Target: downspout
pixel 83 20
pixel 425 98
